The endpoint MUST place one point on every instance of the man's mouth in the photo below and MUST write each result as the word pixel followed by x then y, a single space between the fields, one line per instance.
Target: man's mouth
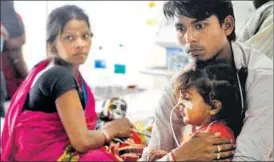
pixel 195 53
pixel 194 50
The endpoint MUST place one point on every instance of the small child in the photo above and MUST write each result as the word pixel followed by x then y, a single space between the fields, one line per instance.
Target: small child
pixel 209 98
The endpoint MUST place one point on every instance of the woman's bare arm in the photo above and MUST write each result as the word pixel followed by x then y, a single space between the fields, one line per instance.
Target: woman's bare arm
pixel 73 118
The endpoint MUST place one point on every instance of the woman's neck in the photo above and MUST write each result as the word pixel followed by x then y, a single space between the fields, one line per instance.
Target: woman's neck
pixel 75 71
pixel 75 68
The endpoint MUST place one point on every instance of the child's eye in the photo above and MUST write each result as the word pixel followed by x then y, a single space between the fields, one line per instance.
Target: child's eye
pixel 186 97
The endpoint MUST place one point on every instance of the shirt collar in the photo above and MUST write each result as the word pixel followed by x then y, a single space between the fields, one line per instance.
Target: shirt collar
pixel 238 55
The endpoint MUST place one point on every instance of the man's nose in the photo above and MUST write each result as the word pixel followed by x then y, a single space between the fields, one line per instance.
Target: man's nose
pixel 190 36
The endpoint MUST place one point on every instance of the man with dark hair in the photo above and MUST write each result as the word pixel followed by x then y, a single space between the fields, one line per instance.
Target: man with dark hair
pixel 206 29
pixel 257 32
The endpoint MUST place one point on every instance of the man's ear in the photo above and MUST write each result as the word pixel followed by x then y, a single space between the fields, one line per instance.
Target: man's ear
pixel 216 107
pixel 228 25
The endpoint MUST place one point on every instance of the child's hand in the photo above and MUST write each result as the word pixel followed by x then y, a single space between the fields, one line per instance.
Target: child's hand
pixel 114 147
pixel 156 154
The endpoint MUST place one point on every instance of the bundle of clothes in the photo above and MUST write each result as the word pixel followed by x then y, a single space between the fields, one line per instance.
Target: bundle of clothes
pixel 125 149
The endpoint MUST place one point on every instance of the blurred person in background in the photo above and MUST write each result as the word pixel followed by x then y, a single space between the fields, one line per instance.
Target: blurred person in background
pixel 257 32
pixel 13 65
pixel 3 90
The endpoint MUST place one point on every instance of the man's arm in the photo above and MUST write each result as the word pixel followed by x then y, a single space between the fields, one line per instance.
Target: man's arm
pixel 162 137
pixel 255 142
pixel 258 30
pixel 19 62
pixel 14 46
pixel 263 39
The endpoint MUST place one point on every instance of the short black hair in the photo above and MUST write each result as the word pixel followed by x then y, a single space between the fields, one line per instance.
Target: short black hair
pixel 216 81
pixel 200 10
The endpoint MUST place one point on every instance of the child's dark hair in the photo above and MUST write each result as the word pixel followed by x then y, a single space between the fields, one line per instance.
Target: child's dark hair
pixel 216 81
pixel 200 10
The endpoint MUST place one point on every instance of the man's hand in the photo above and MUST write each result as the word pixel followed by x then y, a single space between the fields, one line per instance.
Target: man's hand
pixel 156 154
pixel 205 146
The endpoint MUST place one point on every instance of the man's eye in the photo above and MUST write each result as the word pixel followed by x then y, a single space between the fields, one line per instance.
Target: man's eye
pixel 199 26
pixel 180 29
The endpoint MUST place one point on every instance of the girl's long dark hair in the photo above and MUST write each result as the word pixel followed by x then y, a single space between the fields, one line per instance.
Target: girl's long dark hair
pixel 217 81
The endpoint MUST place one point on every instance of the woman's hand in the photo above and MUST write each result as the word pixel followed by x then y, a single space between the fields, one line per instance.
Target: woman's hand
pixel 156 154
pixel 119 128
pixel 205 146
